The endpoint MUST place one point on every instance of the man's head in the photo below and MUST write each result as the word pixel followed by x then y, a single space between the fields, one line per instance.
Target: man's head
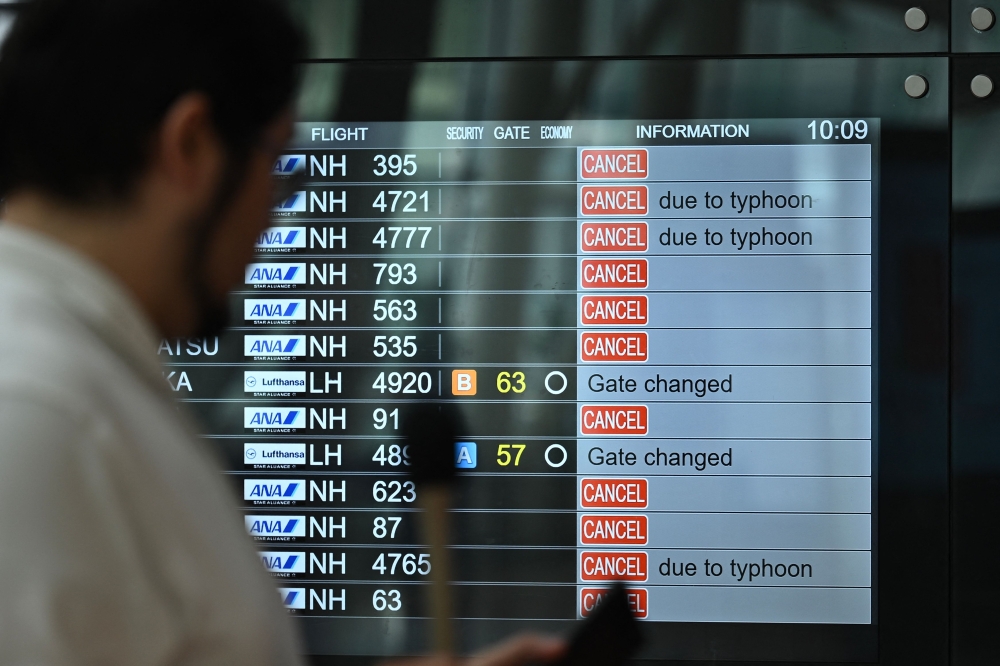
pixel 143 133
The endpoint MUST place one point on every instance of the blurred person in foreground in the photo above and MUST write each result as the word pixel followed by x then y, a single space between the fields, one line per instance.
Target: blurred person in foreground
pixel 137 139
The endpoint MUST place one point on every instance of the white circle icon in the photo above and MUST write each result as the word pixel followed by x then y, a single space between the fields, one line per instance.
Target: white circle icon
pixel 556 447
pixel 552 375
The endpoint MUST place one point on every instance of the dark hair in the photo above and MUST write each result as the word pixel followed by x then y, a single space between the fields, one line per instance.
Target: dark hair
pixel 85 83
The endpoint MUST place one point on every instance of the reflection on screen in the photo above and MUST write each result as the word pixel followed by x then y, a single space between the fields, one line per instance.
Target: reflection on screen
pixel 659 335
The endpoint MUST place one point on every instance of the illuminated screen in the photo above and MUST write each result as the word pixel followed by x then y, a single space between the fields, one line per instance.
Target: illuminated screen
pixel 659 334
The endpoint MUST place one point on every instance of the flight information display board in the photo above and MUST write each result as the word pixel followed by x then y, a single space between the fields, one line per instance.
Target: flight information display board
pixel 659 334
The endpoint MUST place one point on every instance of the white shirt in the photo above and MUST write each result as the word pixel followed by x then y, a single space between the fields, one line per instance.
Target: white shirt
pixel 120 542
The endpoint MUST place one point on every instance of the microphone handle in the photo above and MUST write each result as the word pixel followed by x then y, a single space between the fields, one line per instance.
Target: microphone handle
pixel 435 499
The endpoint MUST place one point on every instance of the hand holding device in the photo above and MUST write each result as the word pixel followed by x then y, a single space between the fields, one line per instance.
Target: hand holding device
pixel 430 431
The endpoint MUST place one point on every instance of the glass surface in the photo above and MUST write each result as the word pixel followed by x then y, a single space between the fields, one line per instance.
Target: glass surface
pixel 487 248
pixel 965 38
pixel 6 23
pixel 614 28
pixel 975 325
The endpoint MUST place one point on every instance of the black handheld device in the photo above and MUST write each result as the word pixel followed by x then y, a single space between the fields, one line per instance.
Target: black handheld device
pixel 608 637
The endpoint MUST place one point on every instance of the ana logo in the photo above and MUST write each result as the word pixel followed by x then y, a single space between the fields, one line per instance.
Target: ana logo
pixel 276 526
pixel 274 417
pixel 289 382
pixel 274 489
pixel 276 274
pixel 294 598
pixel 282 562
pixel 274 345
pixel 296 203
pixel 282 237
pixel 274 309
pixel 263 454
pixel 286 165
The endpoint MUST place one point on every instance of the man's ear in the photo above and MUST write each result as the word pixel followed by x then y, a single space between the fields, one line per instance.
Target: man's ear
pixel 187 151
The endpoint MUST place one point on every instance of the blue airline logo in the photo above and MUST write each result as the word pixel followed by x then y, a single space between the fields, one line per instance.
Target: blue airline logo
pixel 264 309
pixel 274 489
pixel 293 598
pixel 283 562
pixel 282 237
pixel 286 165
pixel 276 274
pixel 274 417
pixel 276 526
pixel 274 345
pixel 296 203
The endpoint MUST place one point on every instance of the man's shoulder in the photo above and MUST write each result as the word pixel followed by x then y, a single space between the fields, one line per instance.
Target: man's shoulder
pixel 44 350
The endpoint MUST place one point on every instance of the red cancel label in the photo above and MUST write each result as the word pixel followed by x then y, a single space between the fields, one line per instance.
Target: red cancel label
pixel 614 419
pixel 614 237
pixel 607 530
pixel 613 164
pixel 614 310
pixel 614 273
pixel 637 598
pixel 614 493
pixel 620 347
pixel 614 200
pixel 613 566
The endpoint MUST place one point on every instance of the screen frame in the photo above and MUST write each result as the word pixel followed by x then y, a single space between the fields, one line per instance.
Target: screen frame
pixel 911 349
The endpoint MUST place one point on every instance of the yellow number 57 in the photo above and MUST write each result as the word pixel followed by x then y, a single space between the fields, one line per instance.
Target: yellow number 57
pixel 504 457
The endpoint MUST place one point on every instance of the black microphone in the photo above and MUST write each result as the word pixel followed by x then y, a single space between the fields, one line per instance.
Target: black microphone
pixel 430 430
